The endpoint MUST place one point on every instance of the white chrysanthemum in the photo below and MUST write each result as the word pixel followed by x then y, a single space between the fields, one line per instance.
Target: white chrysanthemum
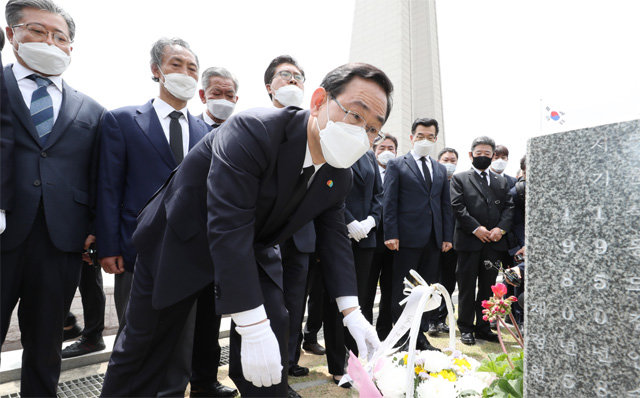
pixel 436 387
pixel 390 380
pixel 472 383
pixel 474 364
pixel 435 361
pixel 486 377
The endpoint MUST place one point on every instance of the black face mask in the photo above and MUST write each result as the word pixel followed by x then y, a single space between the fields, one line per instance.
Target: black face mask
pixel 481 162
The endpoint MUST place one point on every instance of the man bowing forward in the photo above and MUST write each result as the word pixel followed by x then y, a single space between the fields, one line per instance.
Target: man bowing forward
pixel 244 188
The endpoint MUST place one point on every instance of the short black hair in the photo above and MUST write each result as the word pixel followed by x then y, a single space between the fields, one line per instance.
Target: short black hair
pixel 386 136
pixel 426 122
pixel 277 61
pixel 447 150
pixel 335 81
pixel 484 140
pixel 501 150
pixel 523 163
pixel 1 40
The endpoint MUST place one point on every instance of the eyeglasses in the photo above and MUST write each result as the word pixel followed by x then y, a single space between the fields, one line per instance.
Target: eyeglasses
pixel 286 75
pixel 354 118
pixel 40 33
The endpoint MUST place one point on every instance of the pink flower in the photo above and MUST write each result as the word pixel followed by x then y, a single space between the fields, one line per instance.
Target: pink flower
pixel 513 299
pixel 485 318
pixel 499 290
pixel 486 304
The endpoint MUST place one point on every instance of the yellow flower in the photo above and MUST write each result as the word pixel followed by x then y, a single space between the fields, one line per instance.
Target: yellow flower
pixel 418 369
pixel 448 375
pixel 462 363
pixel 406 356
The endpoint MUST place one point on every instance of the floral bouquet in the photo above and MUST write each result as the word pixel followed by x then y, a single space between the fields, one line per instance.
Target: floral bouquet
pixel 418 373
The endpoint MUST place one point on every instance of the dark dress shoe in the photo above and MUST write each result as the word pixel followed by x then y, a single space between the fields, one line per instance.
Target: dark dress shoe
pixel 313 348
pixel 442 327
pixel 433 330
pixel 215 390
pixel 424 345
pixel 72 333
pixel 82 347
pixel 345 385
pixel 488 336
pixel 291 393
pixel 467 338
pixel 296 370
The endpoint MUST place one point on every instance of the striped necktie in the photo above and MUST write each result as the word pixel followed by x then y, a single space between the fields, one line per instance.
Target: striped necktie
pixel 41 108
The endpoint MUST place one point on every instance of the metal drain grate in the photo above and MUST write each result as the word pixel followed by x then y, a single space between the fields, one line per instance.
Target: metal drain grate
pixel 84 387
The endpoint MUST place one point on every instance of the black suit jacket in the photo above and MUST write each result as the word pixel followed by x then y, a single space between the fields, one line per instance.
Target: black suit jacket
pixel 473 208
pixel 233 187
pixel 6 147
pixel 365 197
pixel 412 212
pixel 61 174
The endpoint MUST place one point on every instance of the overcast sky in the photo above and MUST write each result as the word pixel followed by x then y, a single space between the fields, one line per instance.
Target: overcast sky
pixel 501 61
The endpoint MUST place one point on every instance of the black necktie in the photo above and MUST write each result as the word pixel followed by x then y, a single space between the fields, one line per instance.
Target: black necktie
pixel 484 184
pixel 425 171
pixel 175 136
pixel 298 193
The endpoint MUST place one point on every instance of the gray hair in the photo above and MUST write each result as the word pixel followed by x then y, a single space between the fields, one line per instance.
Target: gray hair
pixel 13 12
pixel 484 140
pixel 157 51
pixel 220 72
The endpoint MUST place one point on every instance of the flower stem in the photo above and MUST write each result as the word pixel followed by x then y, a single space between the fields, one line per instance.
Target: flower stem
pixel 510 331
pixel 521 340
pixel 502 344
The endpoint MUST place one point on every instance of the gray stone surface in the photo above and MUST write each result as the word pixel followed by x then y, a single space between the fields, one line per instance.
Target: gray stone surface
pixel 583 263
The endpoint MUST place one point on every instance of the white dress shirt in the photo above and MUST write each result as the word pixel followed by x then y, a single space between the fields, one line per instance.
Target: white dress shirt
pixel 488 178
pixel 419 162
pixel 28 86
pixel 207 119
pixel 163 110
pixel 382 172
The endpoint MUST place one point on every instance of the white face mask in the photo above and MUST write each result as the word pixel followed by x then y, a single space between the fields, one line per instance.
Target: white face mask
pixel 290 95
pixel 421 148
pixel 385 157
pixel 220 108
pixel 451 168
pixel 181 86
pixel 43 58
pixel 499 165
pixel 342 143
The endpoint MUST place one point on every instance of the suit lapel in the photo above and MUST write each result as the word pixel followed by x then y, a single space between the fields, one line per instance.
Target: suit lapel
pixel 291 153
pixel 71 103
pixel 149 123
pixel 413 165
pixel 18 106
pixel 357 170
pixel 495 185
pixel 195 132
pixel 473 177
pixel 438 178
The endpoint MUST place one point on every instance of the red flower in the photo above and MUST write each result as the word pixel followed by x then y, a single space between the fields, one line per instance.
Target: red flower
pixel 513 299
pixel 499 290
pixel 486 304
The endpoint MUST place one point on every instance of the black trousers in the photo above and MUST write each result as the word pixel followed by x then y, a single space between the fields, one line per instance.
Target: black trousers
pixel 152 353
pixel 44 279
pixel 315 303
pixel 274 303
pixel 295 267
pixel 470 270
pixel 381 270
pixel 448 263
pixel 334 335
pixel 93 303
pixel 425 260
pixel 362 258
pixel 206 347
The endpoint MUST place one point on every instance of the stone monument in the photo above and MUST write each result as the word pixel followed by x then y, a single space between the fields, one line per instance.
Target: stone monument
pixel 582 302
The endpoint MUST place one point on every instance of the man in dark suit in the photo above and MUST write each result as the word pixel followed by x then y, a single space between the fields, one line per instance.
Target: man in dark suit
pixel 499 164
pixel 234 198
pixel 218 92
pixel 483 211
pixel 284 80
pixel 385 149
pixel 49 223
pixel 6 148
pixel 417 215
pixel 139 147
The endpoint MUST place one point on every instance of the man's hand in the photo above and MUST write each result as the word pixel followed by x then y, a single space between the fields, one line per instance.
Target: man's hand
pixel 446 246
pixel 392 244
pixel 362 332
pixel 356 230
pixel 3 221
pixel 260 354
pixel 87 242
pixel 112 265
pixel 521 251
pixel 483 234
pixel 495 234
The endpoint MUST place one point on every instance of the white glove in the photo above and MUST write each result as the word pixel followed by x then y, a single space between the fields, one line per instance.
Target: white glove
pixel 362 332
pixel 356 230
pixel 3 221
pixel 368 224
pixel 260 354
